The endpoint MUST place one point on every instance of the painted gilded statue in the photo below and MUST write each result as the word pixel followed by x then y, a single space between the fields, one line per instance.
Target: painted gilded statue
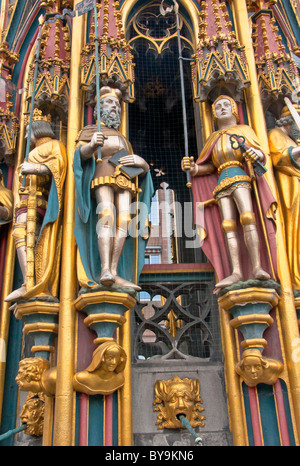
pixel 285 154
pixel 221 174
pixel 104 196
pixel 38 212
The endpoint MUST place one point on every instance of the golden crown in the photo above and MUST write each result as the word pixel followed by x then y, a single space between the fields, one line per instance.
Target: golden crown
pixel 37 116
pixel 107 91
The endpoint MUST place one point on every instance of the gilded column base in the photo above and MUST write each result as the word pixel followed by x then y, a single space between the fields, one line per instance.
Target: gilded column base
pixel 250 308
pixel 104 310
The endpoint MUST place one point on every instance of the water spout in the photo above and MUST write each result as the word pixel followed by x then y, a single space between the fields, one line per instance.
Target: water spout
pixel 185 422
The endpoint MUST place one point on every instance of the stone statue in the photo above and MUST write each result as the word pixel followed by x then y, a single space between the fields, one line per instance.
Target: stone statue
pixel 221 172
pixel 104 194
pixel 105 373
pixel 285 154
pixel 6 202
pixel 38 212
pixel 178 396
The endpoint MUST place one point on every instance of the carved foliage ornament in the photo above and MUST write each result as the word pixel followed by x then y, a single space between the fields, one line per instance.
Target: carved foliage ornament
pixel 175 397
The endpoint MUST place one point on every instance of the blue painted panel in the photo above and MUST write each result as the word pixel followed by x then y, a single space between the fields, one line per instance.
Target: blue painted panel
pixel 268 415
pixel 96 416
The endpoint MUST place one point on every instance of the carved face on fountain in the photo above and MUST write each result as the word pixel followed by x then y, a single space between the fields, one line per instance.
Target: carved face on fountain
pixel 175 397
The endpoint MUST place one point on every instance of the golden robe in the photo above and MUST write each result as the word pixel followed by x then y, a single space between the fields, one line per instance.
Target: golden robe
pixel 52 154
pixel 6 200
pixel 287 174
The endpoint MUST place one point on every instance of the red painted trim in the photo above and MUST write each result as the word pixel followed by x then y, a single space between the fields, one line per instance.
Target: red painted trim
pixel 258 442
pixel 89 119
pixel 108 427
pixel 157 268
pixel 285 438
pixel 83 420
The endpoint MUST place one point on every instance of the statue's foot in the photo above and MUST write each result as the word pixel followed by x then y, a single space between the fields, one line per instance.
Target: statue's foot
pixel 260 274
pixel 107 278
pixel 16 295
pixel 122 282
pixel 228 281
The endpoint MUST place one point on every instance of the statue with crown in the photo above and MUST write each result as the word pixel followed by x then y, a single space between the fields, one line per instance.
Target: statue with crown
pixel 108 189
pixel 37 221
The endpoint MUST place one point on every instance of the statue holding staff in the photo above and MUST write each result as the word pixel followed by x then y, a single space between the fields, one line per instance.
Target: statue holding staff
pixel 221 173
pixel 104 194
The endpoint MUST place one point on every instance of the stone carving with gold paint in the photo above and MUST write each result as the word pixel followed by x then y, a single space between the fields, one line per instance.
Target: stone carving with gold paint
pixel 221 173
pixel 35 375
pixel 105 373
pixel 104 188
pixel 38 212
pixel 284 146
pixel 32 414
pixel 178 396
pixel 255 369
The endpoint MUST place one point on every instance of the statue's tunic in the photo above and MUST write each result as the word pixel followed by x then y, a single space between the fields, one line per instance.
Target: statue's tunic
pixel 105 171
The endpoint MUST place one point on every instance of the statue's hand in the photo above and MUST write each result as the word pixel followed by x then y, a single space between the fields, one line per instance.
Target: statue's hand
pixel 253 155
pixel 97 140
pixel 188 163
pixel 28 168
pixel 134 160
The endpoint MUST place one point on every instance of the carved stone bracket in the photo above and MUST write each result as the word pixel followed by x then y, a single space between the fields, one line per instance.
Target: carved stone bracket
pixel 40 320
pixel 104 310
pixel 250 308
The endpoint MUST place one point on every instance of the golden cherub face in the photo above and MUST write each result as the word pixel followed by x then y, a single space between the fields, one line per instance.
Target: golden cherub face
pixel 253 367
